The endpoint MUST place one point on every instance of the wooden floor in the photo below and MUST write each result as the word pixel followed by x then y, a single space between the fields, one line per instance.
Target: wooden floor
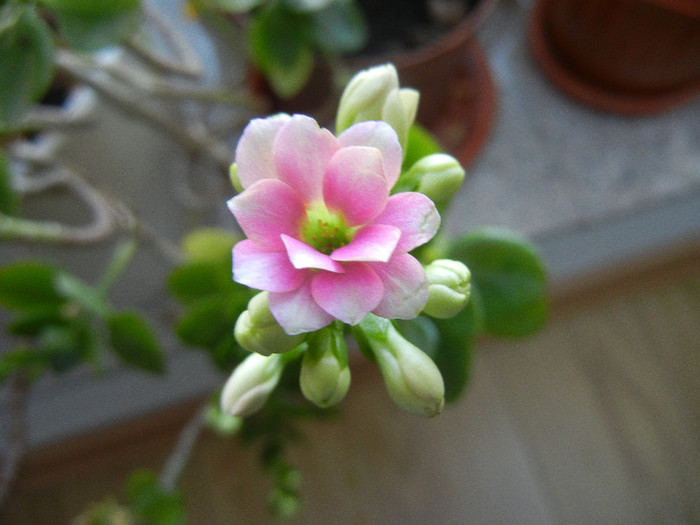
pixel 594 421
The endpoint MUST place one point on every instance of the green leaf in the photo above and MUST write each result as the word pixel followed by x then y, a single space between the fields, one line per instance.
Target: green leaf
pixel 340 28
pixel 67 345
pixel 88 25
pixel 456 344
pixel 133 340
pixel 195 281
pixel 9 203
pixel 420 144
pixel 151 504
pixel 209 245
pixel 210 320
pixel 280 41
pixel 26 360
pixel 32 322
pixel 26 68
pixel 510 277
pixel 28 285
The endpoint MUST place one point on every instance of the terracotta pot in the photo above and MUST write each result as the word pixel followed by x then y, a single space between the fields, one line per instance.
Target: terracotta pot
pixel 629 56
pixel 457 93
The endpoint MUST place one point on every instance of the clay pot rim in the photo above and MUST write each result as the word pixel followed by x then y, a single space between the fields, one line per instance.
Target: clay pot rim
pixel 590 93
pixel 454 38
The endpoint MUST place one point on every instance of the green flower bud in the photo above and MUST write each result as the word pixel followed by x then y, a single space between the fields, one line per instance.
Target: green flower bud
pixel 439 176
pixel 233 176
pixel 412 379
pixel 374 94
pixel 449 288
pixel 251 383
pixel 325 375
pixel 258 331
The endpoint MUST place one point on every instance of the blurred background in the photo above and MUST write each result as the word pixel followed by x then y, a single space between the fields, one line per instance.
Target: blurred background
pixel 596 419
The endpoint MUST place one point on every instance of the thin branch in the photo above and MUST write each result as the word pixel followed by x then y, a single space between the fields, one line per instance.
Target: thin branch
pixel 19 390
pixel 129 101
pixel 187 62
pixel 178 458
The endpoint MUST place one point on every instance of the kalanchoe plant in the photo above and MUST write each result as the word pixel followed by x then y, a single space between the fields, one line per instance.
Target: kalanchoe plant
pixel 337 228
pixel 284 36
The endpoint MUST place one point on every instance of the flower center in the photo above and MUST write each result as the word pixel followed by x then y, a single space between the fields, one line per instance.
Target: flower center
pixel 325 230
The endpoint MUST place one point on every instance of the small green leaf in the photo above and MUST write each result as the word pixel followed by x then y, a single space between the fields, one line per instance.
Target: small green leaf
pixel 9 203
pixel 28 285
pixel 195 281
pixel 510 277
pixel 152 504
pixel 32 322
pixel 456 344
pixel 210 320
pixel 340 28
pixel 133 340
pixel 280 41
pixel 420 144
pixel 209 245
pixel 26 68
pixel 88 25
pixel 25 360
pixel 67 345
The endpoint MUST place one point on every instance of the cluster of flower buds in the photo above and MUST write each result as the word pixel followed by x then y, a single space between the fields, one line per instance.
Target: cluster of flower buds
pixel 329 245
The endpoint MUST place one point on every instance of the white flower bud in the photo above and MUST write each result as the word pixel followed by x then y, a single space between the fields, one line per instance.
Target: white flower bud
pixel 439 176
pixel 412 379
pixel 374 94
pixel 399 111
pixel 258 331
pixel 449 288
pixel 250 384
pixel 325 375
pixel 364 96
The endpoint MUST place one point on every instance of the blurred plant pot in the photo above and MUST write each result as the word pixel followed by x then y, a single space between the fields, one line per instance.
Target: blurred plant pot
pixel 624 56
pixel 451 72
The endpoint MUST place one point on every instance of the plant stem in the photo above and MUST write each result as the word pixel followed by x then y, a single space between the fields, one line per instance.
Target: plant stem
pixel 131 102
pixel 180 455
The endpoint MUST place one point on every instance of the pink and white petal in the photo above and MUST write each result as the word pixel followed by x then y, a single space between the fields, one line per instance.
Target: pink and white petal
pixel 301 152
pixel 348 296
pixel 415 215
pixel 355 184
pixel 266 210
pixel 263 270
pixel 378 135
pixel 297 312
pixel 254 150
pixel 371 243
pixel 303 255
pixel 405 287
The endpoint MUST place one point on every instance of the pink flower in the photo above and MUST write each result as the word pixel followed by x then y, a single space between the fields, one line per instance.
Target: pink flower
pixel 325 238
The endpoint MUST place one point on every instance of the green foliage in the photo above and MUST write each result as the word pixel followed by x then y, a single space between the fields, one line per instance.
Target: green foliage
pixel 88 25
pixel 212 301
pixel 134 342
pixel 9 203
pixel 280 41
pixel 151 504
pixel 62 322
pixel 26 68
pixel 509 277
pixel 29 285
pixel 456 344
pixel 420 144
